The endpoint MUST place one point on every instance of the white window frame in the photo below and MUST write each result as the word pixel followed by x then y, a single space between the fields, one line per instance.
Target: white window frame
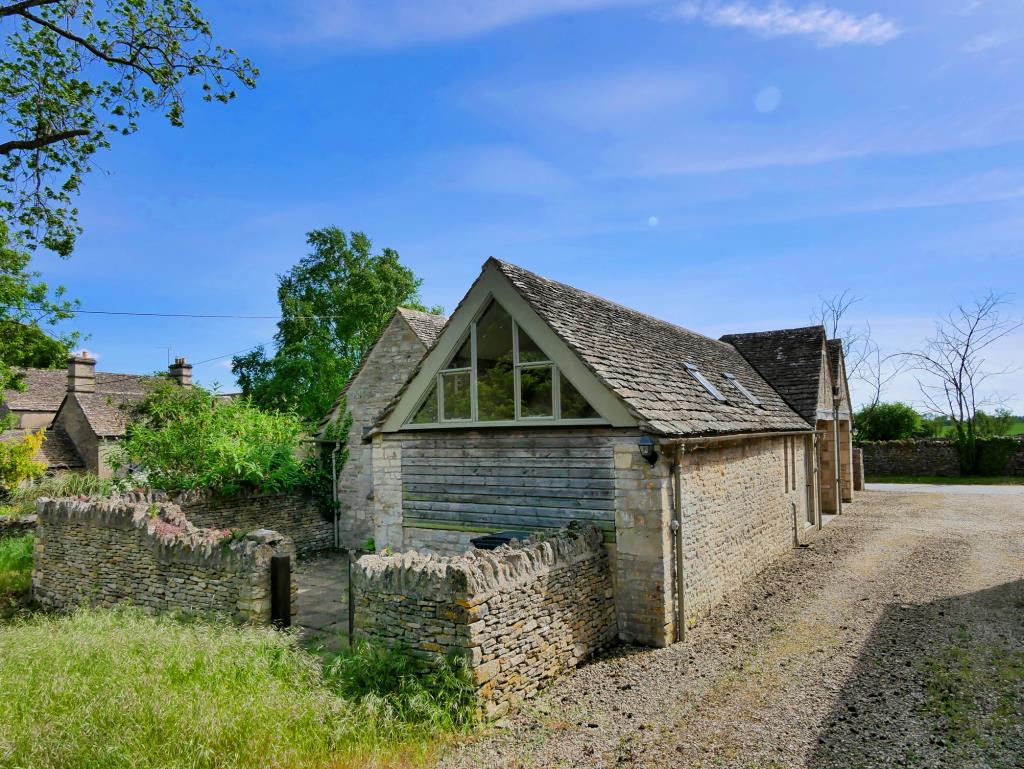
pixel 556 390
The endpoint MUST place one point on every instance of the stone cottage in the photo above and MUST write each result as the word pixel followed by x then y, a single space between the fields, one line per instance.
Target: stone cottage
pixel 83 410
pixel 379 377
pixel 700 460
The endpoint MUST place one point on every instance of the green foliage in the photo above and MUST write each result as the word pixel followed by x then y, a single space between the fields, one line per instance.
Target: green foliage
pixel 16 460
pixel 994 425
pixel 993 454
pixel 887 422
pixel 440 696
pixel 25 303
pixel 133 691
pixel 23 498
pixel 334 303
pixel 188 439
pixel 75 73
pixel 323 463
pixel 16 565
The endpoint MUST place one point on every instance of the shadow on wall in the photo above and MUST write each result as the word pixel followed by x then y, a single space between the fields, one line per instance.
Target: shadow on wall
pixel 937 685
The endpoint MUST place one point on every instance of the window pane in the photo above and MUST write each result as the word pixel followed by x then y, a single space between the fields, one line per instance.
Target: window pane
pixel 495 394
pixel 535 391
pixel 426 414
pixel 456 395
pixel 574 405
pixel 463 358
pixel 528 351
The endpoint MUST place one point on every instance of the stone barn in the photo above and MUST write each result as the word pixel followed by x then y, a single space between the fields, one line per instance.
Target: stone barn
pixel 701 460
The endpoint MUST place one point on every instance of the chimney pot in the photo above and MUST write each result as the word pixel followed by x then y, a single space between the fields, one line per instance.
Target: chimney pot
pixel 181 372
pixel 81 373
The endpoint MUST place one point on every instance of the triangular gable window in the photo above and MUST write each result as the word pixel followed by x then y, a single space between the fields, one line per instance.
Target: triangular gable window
pixel 500 375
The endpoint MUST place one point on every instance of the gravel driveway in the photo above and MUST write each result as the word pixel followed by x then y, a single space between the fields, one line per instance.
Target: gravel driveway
pixel 896 639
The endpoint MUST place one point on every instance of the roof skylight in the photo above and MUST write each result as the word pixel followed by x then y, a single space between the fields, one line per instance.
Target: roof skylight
pixel 739 386
pixel 692 368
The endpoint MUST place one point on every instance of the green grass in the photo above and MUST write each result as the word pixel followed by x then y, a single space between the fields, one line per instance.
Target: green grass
pixel 15 565
pixel 119 688
pixel 22 501
pixel 956 480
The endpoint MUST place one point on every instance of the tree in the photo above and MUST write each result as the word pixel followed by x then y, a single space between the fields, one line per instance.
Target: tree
pixel 17 460
pixel 865 362
pixel 26 304
pixel 76 72
pixel 887 422
pixel 953 368
pixel 334 303
pixel 994 425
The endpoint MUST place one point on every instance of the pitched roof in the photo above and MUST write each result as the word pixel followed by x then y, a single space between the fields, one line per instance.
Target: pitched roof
pixel 790 359
pixel 643 361
pixel 45 387
pixel 107 413
pixel 57 450
pixel 427 328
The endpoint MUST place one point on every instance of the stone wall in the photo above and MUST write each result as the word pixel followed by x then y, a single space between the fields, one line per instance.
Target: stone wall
pixel 737 505
pixel 296 515
pixel 926 456
pixel 104 552
pixel 911 457
pixel 521 615
pixel 16 525
pixel 379 379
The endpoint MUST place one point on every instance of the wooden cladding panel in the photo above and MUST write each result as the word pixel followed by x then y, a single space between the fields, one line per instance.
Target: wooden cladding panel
pixel 509 482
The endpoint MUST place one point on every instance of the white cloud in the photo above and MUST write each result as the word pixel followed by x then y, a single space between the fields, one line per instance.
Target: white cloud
pixel 826 26
pixel 652 221
pixel 768 100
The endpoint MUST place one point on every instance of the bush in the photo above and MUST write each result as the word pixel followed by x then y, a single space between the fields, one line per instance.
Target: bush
pixel 992 455
pixel 16 565
pixel 148 692
pixel 188 439
pixel 887 422
pixel 16 460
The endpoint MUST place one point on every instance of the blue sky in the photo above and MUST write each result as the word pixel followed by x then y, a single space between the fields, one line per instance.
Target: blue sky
pixel 718 164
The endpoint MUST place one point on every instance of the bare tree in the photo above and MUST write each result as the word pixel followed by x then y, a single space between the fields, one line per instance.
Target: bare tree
pixel 953 366
pixel 864 360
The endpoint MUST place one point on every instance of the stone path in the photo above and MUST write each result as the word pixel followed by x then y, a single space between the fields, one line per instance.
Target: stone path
pixel 896 640
pixel 323 601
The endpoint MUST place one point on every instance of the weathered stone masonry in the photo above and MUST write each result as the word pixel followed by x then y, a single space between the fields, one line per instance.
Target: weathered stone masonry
pixel 104 552
pixel 296 515
pixel 521 615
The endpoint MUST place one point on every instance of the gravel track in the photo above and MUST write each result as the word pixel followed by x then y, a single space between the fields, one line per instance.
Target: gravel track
pixel 896 639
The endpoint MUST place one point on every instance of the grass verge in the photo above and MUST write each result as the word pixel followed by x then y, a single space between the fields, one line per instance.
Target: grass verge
pixel 956 480
pixel 120 688
pixel 15 572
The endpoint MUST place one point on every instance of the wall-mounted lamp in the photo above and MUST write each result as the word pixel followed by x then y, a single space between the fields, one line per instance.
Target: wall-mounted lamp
pixel 647 449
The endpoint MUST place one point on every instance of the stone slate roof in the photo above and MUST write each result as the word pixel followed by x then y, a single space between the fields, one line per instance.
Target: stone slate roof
pixel 44 390
pixel 642 360
pixel 424 325
pixel 107 413
pixel 45 387
pixel 57 451
pixel 790 359
pixel 835 357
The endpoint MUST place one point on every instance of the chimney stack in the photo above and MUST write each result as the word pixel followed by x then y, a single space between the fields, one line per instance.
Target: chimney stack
pixel 81 373
pixel 181 372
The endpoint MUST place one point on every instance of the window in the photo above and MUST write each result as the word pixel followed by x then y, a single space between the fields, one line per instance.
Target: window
pixel 499 374
pixel 742 390
pixel 704 381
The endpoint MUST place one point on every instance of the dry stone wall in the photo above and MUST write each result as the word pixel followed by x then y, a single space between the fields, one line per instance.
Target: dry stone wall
pixel 105 552
pixel 296 515
pixel 521 615
pixel 911 457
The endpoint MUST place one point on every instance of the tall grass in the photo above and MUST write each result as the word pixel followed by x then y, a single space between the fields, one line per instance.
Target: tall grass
pixel 22 501
pixel 119 688
pixel 15 565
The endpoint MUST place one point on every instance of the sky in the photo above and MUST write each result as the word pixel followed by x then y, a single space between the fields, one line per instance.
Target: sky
pixel 721 164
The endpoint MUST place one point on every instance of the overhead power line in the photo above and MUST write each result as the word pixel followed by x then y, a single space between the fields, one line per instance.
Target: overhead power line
pixel 195 315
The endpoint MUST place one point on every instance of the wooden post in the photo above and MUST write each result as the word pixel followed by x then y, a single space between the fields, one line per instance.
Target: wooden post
pixel 281 591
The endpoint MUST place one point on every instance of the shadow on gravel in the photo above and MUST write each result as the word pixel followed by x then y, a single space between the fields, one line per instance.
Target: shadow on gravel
pixel 937 685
